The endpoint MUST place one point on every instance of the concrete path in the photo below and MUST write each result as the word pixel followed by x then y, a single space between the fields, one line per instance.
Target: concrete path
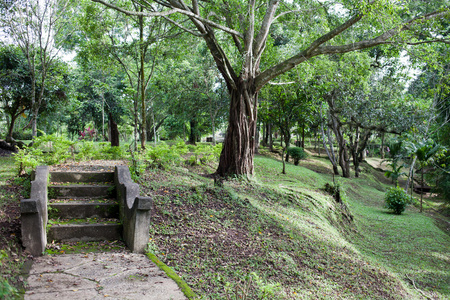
pixel 99 276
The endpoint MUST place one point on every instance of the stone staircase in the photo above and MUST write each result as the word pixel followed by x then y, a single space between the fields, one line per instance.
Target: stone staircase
pixel 66 206
pixel 82 207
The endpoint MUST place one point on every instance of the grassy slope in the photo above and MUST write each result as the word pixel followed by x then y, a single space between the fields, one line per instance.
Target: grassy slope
pixel 283 237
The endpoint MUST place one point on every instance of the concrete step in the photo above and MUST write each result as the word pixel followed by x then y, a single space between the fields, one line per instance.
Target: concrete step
pixel 84 230
pixel 77 209
pixel 81 176
pixel 81 190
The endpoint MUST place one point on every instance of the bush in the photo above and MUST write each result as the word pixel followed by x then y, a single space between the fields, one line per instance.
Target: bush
pixel 296 153
pixel 396 200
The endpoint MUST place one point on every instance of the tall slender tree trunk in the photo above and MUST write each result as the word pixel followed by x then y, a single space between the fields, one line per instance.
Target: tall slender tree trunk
pixel 269 134
pixel 382 146
pixel 303 136
pixel 257 140
pixel 213 127
pixel 34 112
pixel 342 153
pixel 142 57
pixel 11 126
pixel 287 143
pixel 330 152
pixel 193 131
pixel 264 135
pixel 337 129
pixel 239 144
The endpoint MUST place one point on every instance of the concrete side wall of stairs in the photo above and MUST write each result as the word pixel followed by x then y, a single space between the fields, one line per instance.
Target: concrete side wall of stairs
pixel 134 211
pixel 34 215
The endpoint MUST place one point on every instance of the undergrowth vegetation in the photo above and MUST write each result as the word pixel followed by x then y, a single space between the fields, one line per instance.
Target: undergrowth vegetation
pixel 53 149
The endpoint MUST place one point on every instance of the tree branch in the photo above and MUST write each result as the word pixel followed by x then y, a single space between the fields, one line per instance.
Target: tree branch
pixel 316 49
pixel 170 12
pixel 182 27
pixel 261 38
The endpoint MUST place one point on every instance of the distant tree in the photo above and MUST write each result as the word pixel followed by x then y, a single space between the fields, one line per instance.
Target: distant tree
pixel 15 81
pixel 38 29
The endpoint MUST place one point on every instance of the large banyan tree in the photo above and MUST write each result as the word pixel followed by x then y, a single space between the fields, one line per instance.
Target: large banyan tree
pixel 253 42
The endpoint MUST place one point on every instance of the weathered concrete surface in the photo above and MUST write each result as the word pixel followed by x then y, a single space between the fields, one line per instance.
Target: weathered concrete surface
pixel 81 176
pixel 82 210
pixel 99 276
pixel 82 190
pixel 84 232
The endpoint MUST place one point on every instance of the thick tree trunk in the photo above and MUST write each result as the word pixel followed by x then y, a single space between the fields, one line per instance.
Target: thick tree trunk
pixel 239 144
pixel 382 146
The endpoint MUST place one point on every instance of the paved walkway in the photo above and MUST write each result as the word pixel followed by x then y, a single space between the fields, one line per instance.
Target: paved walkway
pixel 99 276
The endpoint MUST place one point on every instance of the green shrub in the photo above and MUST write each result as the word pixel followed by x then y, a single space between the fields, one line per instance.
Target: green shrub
pixel 86 150
pixel 162 156
pixel 107 151
pixel 57 149
pixel 297 153
pixel 204 154
pixel 396 200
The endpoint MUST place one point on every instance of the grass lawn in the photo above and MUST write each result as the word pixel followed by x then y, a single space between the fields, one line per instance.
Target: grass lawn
pixel 283 237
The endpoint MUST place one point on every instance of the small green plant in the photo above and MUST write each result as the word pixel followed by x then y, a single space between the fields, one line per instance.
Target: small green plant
pixel 27 159
pixel 395 173
pixel 6 290
pixel 297 153
pixel 334 190
pixel 396 200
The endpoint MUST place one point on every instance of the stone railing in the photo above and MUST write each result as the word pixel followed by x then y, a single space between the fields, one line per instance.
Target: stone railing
pixel 34 213
pixel 134 210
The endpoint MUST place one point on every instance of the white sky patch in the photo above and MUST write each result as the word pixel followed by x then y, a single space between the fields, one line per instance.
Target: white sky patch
pixel 413 72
